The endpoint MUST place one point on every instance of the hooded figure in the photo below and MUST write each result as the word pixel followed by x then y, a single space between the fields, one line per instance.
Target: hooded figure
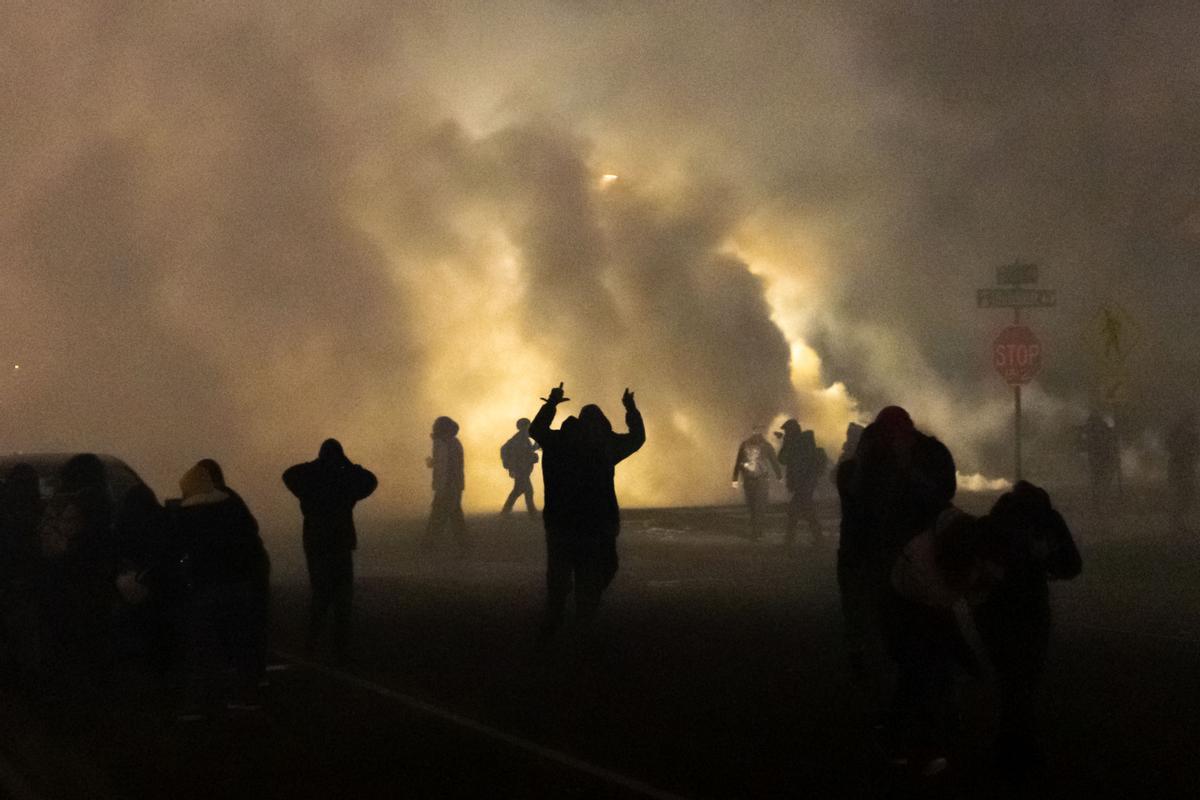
pixel 518 456
pixel 1030 543
pixel 218 537
pixel 448 482
pixel 1183 451
pixel 755 461
pixel 804 464
pixel 581 513
pixel 328 490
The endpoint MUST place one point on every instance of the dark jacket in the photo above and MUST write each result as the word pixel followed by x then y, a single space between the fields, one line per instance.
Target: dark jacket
pixel 804 463
pixel 218 537
pixel 578 467
pixel 448 471
pixel 328 489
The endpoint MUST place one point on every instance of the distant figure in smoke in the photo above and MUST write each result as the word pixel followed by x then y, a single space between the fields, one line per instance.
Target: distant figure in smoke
pixel 328 490
pixel 1104 458
pixel 518 455
pixel 1027 542
pixel 1183 451
pixel 224 557
pixel 755 461
pixel 805 466
pixel 581 514
pixel 448 482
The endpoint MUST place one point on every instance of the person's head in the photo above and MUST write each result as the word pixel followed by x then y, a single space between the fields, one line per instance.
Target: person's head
pixel 895 427
pixel 331 451
pixel 523 424
pixel 592 422
pixel 214 470
pixel 22 482
pixel 792 426
pixel 197 481
pixel 85 470
pixel 444 428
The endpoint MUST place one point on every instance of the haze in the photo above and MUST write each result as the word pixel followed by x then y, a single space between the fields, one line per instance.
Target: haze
pixel 234 229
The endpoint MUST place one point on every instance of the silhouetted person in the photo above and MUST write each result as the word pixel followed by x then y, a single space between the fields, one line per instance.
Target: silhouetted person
pixel 328 489
pixel 1103 455
pixel 518 455
pixel 804 466
pixel 1030 543
pixel 145 573
pixel 581 514
pixel 1183 451
pixel 223 557
pixel 854 555
pixel 448 482
pixel 20 514
pixel 755 461
pixel 78 593
pixel 902 482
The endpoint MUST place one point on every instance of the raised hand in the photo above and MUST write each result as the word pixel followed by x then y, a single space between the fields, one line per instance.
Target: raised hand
pixel 627 400
pixel 556 395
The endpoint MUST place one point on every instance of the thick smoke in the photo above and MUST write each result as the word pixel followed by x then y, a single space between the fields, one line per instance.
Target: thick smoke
pixel 236 229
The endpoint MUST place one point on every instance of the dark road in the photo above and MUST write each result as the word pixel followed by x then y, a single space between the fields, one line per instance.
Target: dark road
pixel 716 671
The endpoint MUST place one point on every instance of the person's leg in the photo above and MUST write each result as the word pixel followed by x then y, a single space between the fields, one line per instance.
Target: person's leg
pixel 318 571
pixel 793 520
pixel 558 581
pixel 595 571
pixel 527 490
pixel 512 496
pixel 437 518
pixel 343 602
pixel 458 522
pixel 808 511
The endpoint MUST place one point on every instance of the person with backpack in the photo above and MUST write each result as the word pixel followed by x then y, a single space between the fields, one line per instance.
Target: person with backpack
pixel 805 465
pixel 755 461
pixel 518 455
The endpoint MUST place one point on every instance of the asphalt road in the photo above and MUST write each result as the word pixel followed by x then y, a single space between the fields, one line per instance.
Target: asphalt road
pixel 716 671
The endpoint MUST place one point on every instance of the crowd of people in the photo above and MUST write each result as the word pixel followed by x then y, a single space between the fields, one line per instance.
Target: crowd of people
pixel 189 580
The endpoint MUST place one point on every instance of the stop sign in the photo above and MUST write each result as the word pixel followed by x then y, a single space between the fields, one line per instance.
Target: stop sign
pixel 1016 354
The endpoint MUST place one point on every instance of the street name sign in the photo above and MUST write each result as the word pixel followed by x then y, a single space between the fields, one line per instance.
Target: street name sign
pixel 1014 297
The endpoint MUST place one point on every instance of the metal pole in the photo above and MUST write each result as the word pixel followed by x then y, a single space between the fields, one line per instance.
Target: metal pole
pixel 1017 410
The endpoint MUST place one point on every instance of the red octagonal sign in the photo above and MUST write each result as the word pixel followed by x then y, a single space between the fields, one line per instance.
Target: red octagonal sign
pixel 1017 355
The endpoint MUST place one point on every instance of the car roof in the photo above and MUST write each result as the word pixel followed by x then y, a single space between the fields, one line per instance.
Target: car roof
pixel 120 476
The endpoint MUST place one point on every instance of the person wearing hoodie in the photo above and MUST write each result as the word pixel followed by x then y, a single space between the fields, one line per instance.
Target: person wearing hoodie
pixel 1031 544
pixel 222 556
pixel 447 465
pixel 328 489
pixel 581 515
pixel 804 466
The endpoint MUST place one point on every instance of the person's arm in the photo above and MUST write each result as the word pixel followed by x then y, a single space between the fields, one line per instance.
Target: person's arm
pixel 539 428
pixel 737 463
pixel 294 478
pixel 774 461
pixel 629 443
pixel 363 482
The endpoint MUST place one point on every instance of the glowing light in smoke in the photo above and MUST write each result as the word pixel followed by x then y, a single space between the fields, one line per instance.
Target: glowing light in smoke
pixel 607 179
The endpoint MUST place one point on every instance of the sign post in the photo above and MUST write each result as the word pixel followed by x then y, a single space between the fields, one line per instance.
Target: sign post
pixel 1016 351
